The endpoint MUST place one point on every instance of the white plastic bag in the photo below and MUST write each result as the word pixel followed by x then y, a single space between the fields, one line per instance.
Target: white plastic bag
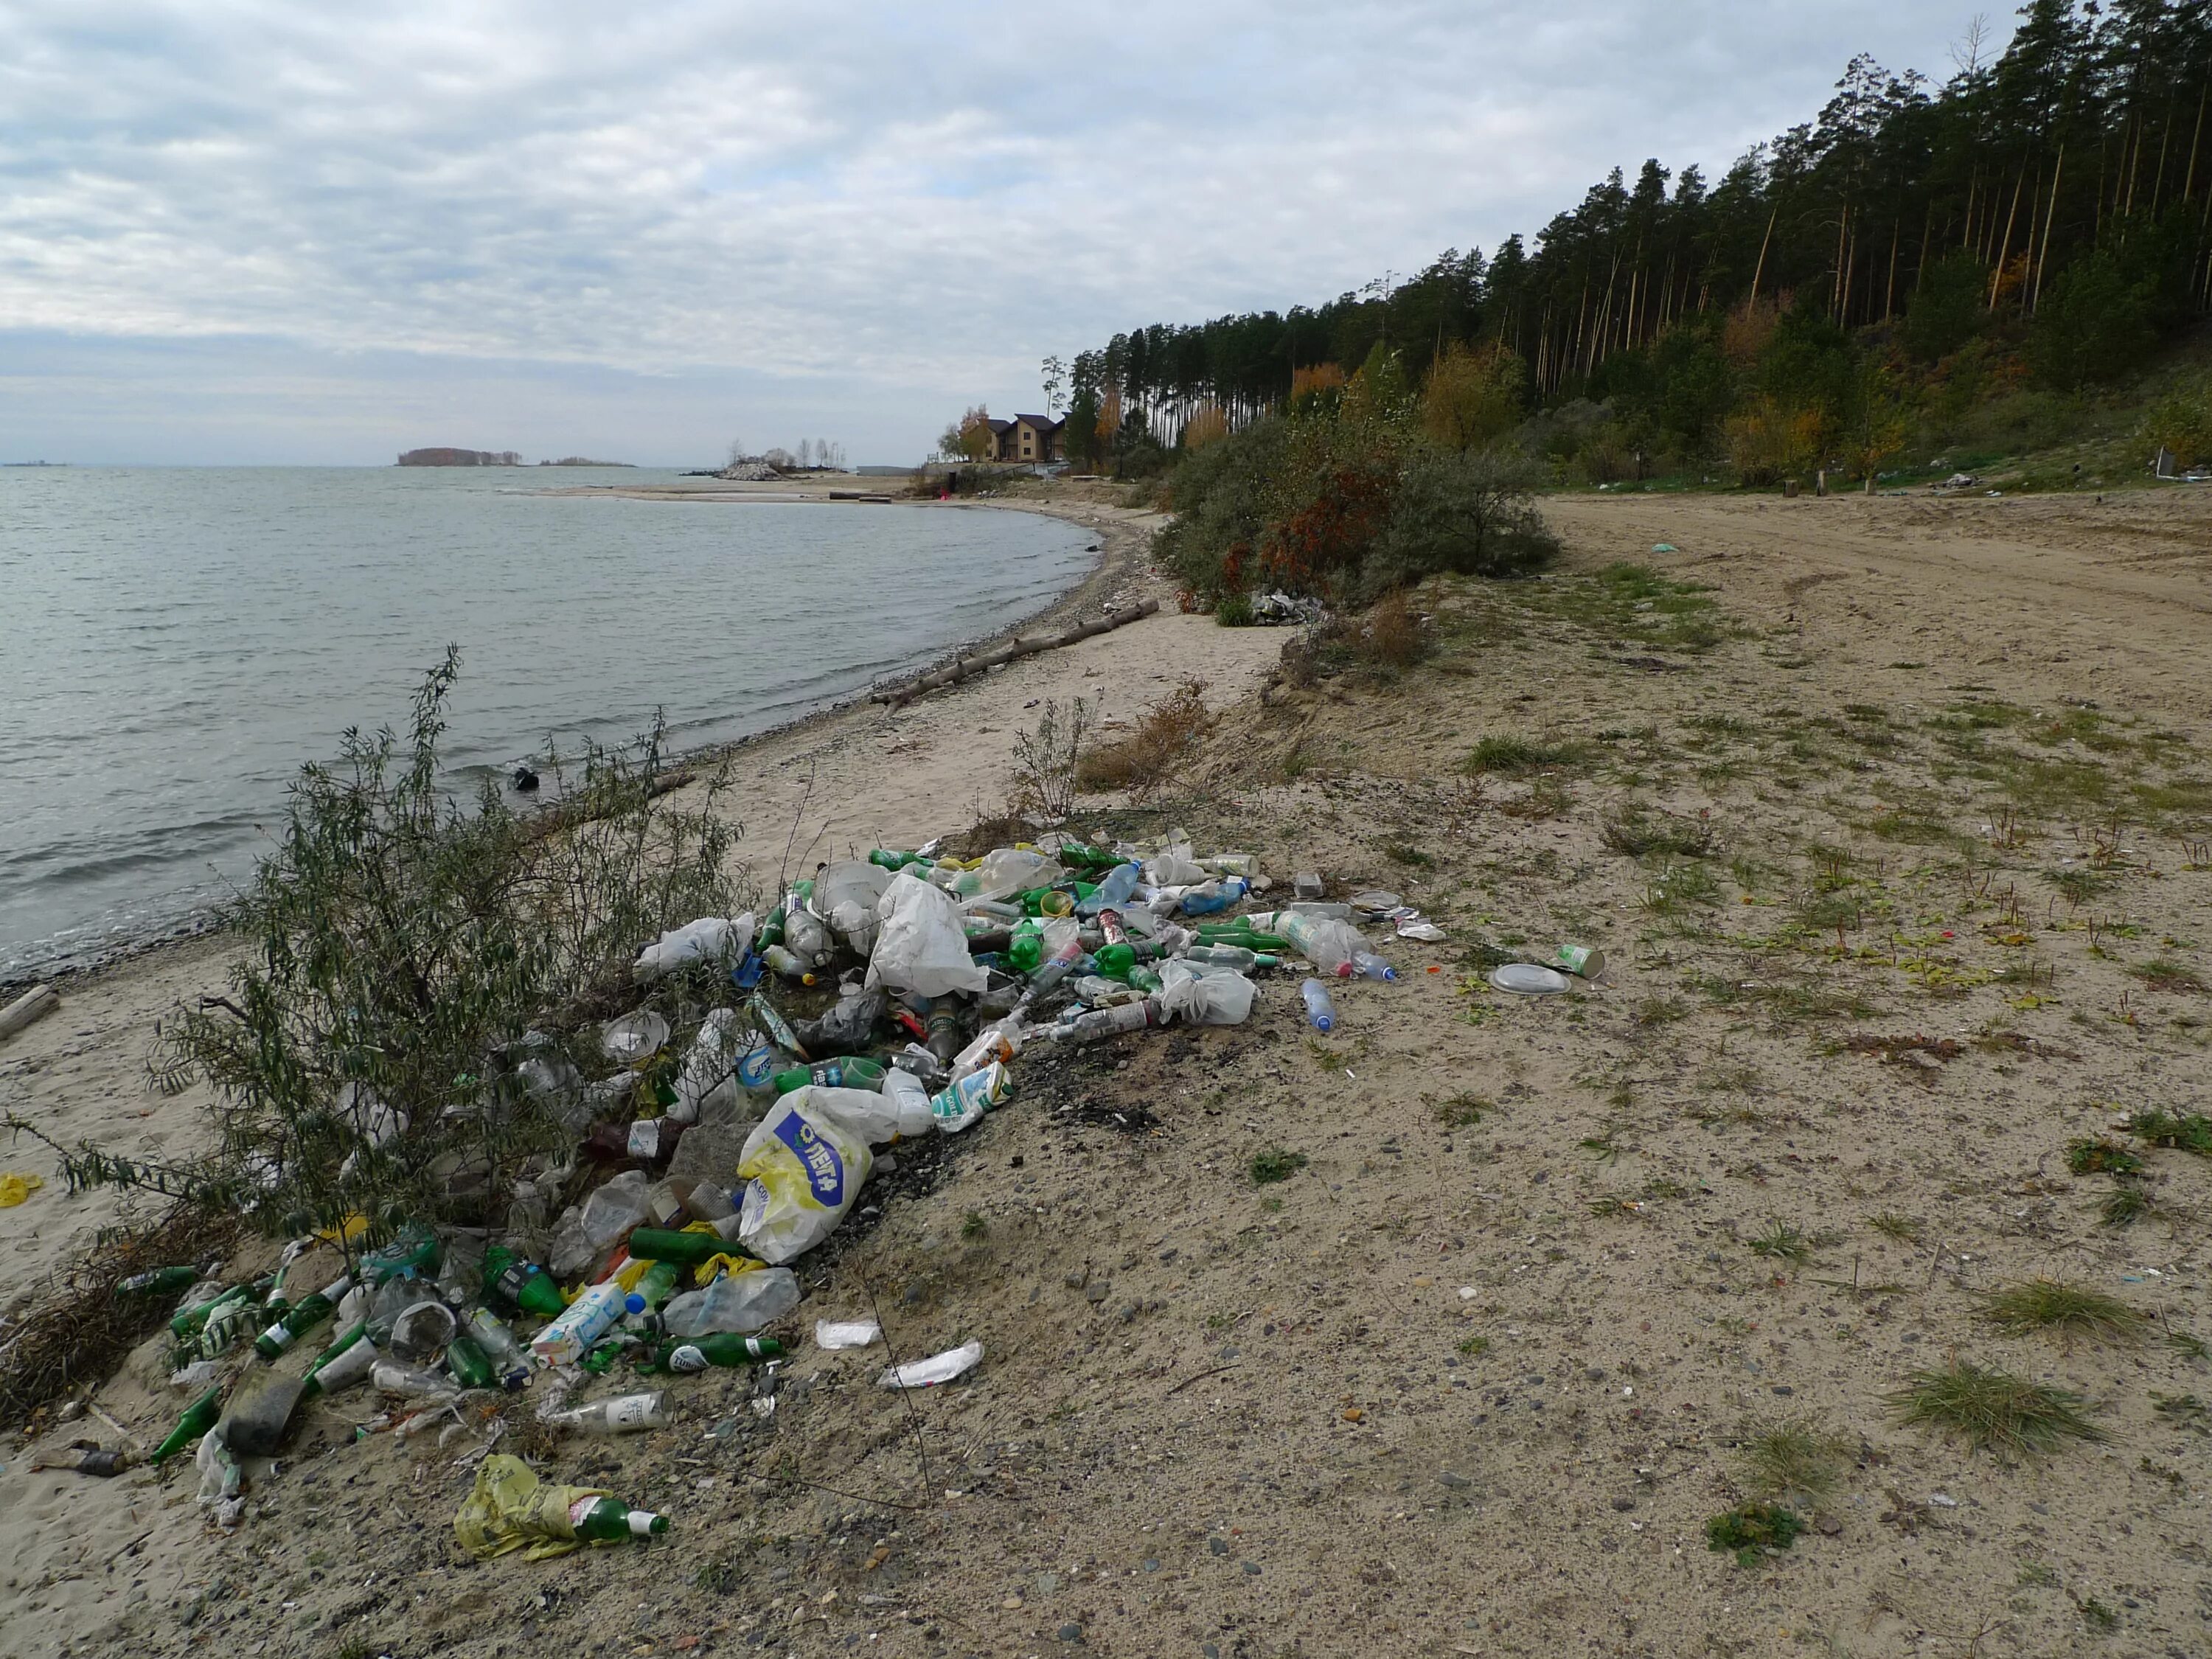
pixel 582 1235
pixel 803 1172
pixel 742 1302
pixel 1008 870
pixel 845 894
pixel 846 1332
pixel 709 1077
pixel 863 1112
pixel 937 1368
pixel 919 947
pixel 1210 996
pixel 709 938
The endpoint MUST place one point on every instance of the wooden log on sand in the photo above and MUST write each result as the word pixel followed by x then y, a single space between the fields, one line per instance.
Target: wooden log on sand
pixel 1027 646
pixel 34 1004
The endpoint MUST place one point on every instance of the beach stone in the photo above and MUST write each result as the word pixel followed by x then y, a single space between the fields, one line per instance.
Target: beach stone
pixel 1219 1545
pixel 260 1409
pixel 1453 1478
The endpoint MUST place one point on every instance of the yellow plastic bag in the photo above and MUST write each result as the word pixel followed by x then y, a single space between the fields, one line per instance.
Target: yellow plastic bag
pixel 803 1172
pixel 14 1188
pixel 511 1507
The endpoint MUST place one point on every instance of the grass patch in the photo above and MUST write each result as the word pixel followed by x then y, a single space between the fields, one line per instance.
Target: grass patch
pixel 1463 1111
pixel 1794 1457
pixel 1654 1012
pixel 2125 1208
pixel 1164 736
pixel 2168 976
pixel 2071 1309
pixel 2098 1156
pixel 974 1224
pixel 1994 1410
pixel 1782 1243
pixel 1475 1344
pixel 1518 757
pixel 1904 1228
pixel 1636 833
pixel 2190 1133
pixel 1752 1531
pixel 1274 1165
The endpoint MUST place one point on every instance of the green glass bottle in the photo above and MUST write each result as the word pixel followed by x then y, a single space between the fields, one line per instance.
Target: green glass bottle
pixel 469 1365
pixel 356 1332
pixel 158 1282
pixel 854 1072
pixel 190 1321
pixel 603 1521
pixel 687 1250
pixel 313 1310
pixel 199 1417
pixel 1077 856
pixel 720 1348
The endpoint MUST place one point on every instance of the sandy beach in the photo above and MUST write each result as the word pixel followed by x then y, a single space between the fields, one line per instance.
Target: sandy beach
pixel 1542 1274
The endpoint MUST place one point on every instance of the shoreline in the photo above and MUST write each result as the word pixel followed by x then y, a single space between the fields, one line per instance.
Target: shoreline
pixel 1113 561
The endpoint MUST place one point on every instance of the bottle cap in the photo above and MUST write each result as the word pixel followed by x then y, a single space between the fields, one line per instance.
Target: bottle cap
pixel 633 1302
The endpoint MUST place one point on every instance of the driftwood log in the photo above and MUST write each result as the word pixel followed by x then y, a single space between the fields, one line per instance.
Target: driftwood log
pixel 1027 645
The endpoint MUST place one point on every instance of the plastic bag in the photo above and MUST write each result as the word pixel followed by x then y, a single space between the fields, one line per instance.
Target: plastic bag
pixel 511 1508
pixel 1215 997
pixel 803 1172
pixel 1006 870
pixel 846 1332
pixel 709 1077
pixel 919 947
pixel 874 1117
pixel 607 1216
pixel 845 894
pixel 937 1368
pixel 710 939
pixel 742 1302
pixel 848 1028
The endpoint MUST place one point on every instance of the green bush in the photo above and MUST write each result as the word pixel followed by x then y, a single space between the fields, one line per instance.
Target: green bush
pixel 2092 324
pixel 1948 308
pixel 2182 421
pixel 1468 515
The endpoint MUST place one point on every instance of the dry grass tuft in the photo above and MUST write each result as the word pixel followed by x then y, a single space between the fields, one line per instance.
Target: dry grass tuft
pixel 1141 762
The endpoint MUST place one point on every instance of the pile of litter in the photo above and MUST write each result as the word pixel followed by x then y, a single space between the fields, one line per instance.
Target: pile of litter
pixel 910 983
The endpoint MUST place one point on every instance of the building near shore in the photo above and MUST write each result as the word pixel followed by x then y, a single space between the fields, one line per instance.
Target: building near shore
pixel 1032 438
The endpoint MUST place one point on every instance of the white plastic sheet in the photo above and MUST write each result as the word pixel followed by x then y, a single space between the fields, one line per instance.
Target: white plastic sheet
pixel 920 946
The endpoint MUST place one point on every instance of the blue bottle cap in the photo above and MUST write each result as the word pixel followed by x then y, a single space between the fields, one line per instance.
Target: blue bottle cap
pixel 633 1302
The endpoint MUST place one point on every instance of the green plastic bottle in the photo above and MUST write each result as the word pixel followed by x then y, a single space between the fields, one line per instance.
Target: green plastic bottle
pixel 1048 902
pixel 884 858
pixel 658 1282
pixel 159 1282
pixel 415 1250
pixel 603 1521
pixel 854 1072
pixel 199 1417
pixel 771 931
pixel 686 1249
pixel 1115 960
pixel 313 1310
pixel 721 1348
pixel 1026 949
pixel 1077 856
pixel 520 1284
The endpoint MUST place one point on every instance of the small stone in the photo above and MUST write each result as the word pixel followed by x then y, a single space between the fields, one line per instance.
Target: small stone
pixel 1075 1280
pixel 1151 1565
pixel 1046 1582
pixel 1453 1478
pixel 1783 1388
pixel 1219 1545
pixel 1826 1524
pixel 1252 1569
pixel 1070 1632
pixel 1211 1652
pixel 1624 1502
pixel 1096 1293
pixel 1594 1373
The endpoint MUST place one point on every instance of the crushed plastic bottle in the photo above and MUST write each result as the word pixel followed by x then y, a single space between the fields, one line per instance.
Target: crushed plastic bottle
pixel 970 1097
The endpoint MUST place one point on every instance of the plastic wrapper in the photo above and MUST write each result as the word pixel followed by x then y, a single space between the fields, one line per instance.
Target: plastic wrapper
pixel 607 1216
pixel 511 1509
pixel 847 1332
pixel 937 1368
pixel 742 1302
pixel 1215 996
pixel 710 939
pixel 920 946
pixel 803 1171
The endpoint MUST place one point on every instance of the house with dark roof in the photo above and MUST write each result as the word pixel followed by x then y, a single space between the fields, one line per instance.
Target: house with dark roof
pixel 1033 438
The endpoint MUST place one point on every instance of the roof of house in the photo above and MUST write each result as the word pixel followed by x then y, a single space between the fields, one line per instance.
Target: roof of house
pixel 1041 422
pixel 999 426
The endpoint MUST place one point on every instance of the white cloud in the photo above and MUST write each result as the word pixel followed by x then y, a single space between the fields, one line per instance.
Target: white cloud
pixel 866 216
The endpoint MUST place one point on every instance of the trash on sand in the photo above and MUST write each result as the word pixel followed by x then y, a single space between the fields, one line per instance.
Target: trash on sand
pixel 847 1332
pixel 632 1413
pixel 1582 961
pixel 1528 979
pixel 86 1457
pixel 710 939
pixel 511 1509
pixel 1320 1007
pixel 14 1188
pixel 803 1171
pixel 937 1368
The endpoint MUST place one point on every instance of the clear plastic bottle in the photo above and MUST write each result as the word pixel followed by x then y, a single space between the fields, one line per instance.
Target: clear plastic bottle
pixel 630 1414
pixel 1114 890
pixel 1320 1007
pixel 1101 1023
pixel 1367 965
pixel 1328 944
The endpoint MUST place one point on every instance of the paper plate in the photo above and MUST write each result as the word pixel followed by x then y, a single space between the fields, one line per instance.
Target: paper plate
pixel 1530 979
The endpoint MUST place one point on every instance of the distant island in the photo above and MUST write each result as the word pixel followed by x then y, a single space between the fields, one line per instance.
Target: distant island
pixel 461 458
pixel 579 460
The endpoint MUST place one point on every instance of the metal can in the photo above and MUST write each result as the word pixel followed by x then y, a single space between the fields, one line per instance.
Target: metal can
pixel 1582 961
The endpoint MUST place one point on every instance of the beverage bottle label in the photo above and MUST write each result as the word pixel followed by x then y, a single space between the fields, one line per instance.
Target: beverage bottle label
pixel 687 1358
pixel 634 1411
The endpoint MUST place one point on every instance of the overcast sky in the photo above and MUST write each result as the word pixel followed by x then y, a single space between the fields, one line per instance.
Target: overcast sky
pixel 274 231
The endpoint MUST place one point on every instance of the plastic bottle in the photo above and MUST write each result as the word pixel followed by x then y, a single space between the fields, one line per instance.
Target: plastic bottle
pixel 1076 855
pixel 190 1321
pixel 1096 991
pixel 630 1414
pixel 998 1042
pixel 159 1282
pixel 1113 892
pixel 1320 1007
pixel 490 1333
pixel 581 1323
pixel 783 960
pixel 884 858
pixel 807 937
pixel 1048 902
pixel 1025 950
pixel 519 1285
pixel 942 1023
pixel 1327 944
pixel 970 1096
pixel 905 1090
pixel 1227 956
pixel 313 1310
pixel 602 1520
pixel 854 1072
pixel 414 1251
pixel 1367 965
pixel 1208 897
pixel 771 931
pixel 722 1348
pixel 774 1026
pixel 199 1417
pixel 407 1382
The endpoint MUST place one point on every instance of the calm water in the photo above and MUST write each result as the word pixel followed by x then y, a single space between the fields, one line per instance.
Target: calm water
pixel 175 643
